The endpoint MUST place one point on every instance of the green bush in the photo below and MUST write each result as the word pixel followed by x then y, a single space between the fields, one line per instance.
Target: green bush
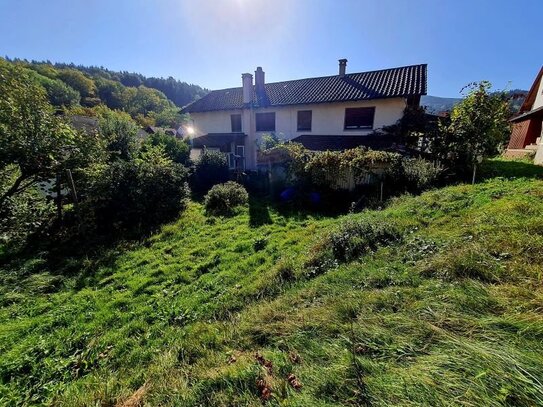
pixel 136 194
pixel 350 240
pixel 420 174
pixel 120 133
pixel 210 169
pixel 178 150
pixel 222 199
pixel 354 238
pixel 61 94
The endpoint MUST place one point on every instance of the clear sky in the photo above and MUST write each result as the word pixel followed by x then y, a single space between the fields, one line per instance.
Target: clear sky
pixel 211 42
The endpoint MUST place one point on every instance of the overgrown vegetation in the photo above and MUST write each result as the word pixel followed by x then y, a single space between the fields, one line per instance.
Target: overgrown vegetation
pixel 435 298
pixel 431 299
pixel 478 128
pixel 223 199
pixel 210 168
pixel 101 180
pixel 348 169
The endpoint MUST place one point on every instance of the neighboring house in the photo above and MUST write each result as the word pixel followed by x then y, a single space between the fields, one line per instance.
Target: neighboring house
pixel 86 124
pixel 332 112
pixel 526 135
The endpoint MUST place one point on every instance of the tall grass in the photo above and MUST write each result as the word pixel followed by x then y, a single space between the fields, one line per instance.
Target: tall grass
pixel 435 300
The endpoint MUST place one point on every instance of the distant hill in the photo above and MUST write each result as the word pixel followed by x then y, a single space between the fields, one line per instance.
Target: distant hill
pixel 149 100
pixel 179 92
pixel 436 104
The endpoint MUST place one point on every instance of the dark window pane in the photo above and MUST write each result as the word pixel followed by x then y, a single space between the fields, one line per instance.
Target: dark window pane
pixel 304 120
pixel 265 121
pixel 235 120
pixel 359 118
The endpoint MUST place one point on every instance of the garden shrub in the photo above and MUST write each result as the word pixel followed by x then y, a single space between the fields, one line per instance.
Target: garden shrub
pixel 222 199
pixel 333 169
pixel 178 150
pixel 139 193
pixel 420 174
pixel 210 169
pixel 352 239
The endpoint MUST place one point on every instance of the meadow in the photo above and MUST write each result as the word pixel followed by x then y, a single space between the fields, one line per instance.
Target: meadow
pixel 431 300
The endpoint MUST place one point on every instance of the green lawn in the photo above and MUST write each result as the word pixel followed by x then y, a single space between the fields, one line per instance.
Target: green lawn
pixel 228 311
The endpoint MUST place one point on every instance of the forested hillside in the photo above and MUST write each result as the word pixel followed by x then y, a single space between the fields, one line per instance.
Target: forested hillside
pixel 436 104
pixel 150 101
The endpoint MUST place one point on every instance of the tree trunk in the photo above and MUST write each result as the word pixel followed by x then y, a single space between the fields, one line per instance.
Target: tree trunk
pixel 59 199
pixel 13 189
pixel 474 173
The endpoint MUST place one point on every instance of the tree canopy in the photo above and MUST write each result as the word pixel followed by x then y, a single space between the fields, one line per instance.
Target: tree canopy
pixel 478 128
pixel 151 101
pixel 33 140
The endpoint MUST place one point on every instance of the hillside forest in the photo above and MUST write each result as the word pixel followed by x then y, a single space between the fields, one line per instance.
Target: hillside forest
pixel 149 101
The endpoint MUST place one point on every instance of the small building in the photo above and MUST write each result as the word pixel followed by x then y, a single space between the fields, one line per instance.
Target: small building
pixel 166 130
pixel 330 112
pixel 526 135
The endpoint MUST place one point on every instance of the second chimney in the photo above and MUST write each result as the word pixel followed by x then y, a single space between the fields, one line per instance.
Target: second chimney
pixel 247 81
pixel 259 80
pixel 342 67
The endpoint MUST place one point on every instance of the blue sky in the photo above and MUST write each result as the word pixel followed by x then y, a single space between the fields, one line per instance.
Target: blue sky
pixel 211 42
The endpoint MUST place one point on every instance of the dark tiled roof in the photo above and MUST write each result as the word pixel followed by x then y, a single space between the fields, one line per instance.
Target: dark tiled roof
pixel 155 129
pixel 386 83
pixel 217 139
pixel 340 142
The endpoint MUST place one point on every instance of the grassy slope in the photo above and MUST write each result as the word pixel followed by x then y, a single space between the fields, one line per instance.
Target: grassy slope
pixel 452 314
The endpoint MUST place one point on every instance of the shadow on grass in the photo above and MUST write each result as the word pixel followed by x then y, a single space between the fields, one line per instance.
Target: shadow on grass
pixel 259 213
pixel 72 256
pixel 510 169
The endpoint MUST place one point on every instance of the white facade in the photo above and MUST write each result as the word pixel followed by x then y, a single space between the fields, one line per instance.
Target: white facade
pixel 327 119
pixel 538 102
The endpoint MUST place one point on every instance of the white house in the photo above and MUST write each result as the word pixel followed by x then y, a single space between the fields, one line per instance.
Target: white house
pixel 332 112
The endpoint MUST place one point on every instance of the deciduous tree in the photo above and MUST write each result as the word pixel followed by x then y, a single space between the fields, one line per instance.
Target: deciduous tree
pixel 478 128
pixel 33 140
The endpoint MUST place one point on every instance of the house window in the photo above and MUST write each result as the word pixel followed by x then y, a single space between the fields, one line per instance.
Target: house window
pixel 359 118
pixel 235 120
pixel 265 121
pixel 304 120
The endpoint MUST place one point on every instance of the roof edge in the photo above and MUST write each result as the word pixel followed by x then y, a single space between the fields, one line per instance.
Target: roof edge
pixel 530 97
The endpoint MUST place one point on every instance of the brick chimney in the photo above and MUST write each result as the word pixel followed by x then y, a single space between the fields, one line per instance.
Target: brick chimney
pixel 259 80
pixel 342 67
pixel 247 81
